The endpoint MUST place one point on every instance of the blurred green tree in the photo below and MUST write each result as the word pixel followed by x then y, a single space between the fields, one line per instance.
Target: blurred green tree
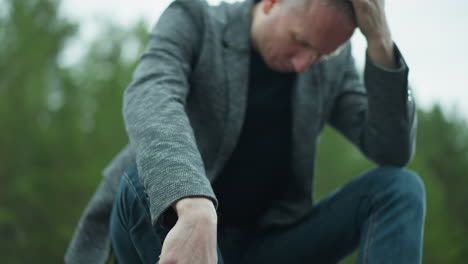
pixel 31 38
pixel 60 125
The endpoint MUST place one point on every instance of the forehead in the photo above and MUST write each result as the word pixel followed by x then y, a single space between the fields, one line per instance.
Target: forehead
pixel 322 26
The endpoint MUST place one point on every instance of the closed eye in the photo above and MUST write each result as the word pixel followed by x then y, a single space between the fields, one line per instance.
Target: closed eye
pixel 299 42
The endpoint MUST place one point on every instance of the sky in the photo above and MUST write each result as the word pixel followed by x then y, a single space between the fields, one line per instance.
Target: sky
pixel 431 34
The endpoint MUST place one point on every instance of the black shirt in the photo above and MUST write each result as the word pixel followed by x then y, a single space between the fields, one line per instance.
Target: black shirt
pixel 260 165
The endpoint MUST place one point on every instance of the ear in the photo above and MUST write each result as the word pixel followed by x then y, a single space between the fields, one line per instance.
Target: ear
pixel 267 5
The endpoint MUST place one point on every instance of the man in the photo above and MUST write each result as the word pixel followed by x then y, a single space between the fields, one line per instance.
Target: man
pixel 223 115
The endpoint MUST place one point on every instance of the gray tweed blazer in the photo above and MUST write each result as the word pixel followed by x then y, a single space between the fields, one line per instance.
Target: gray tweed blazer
pixel 185 106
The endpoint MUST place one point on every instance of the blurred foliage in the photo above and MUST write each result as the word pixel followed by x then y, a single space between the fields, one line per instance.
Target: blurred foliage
pixel 60 125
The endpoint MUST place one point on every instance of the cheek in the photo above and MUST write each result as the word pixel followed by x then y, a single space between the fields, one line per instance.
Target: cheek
pixel 287 50
pixel 277 46
pixel 273 48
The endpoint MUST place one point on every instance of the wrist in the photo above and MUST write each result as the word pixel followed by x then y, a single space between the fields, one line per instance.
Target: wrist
pixel 380 43
pixel 382 51
pixel 195 206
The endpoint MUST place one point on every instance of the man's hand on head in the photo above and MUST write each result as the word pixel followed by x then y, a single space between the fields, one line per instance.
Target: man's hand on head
pixel 372 21
pixel 193 237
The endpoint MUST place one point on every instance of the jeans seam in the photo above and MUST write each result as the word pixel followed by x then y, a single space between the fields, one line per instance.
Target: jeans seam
pixel 136 193
pixel 120 215
pixel 369 237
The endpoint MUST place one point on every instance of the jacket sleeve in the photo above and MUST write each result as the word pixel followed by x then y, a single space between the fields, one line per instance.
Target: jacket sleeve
pixel 378 115
pixel 168 160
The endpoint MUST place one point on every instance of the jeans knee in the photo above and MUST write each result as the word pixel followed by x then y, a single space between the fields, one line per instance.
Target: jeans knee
pixel 406 186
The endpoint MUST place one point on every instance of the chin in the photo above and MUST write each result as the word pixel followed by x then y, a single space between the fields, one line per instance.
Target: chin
pixel 281 68
pixel 277 67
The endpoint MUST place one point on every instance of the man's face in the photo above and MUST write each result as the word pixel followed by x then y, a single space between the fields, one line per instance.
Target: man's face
pixel 290 39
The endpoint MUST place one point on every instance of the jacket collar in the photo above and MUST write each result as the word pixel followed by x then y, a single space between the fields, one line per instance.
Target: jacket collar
pixel 239 19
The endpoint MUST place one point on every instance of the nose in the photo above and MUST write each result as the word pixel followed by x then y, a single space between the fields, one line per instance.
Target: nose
pixel 302 60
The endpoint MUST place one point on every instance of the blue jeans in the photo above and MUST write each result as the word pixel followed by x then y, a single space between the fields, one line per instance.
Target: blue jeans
pixel 380 213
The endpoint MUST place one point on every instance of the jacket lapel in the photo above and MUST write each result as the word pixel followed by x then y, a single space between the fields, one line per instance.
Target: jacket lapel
pixel 236 45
